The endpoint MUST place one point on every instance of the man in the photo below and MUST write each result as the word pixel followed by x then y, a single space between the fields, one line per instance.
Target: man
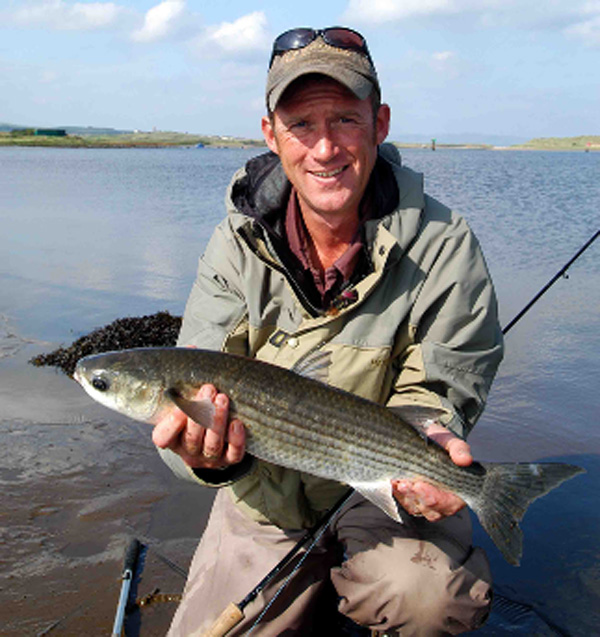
pixel 329 243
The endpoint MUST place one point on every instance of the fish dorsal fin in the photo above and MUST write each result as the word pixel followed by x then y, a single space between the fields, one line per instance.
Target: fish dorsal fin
pixel 419 416
pixel 200 411
pixel 314 364
pixel 380 494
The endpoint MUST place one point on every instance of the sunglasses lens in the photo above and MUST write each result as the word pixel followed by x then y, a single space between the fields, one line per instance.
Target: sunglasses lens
pixel 339 37
pixel 294 39
pixel 345 38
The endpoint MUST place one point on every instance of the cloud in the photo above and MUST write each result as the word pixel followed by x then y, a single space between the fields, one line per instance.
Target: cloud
pixel 246 34
pixel 578 18
pixel 587 31
pixel 446 63
pixel 377 11
pixel 161 21
pixel 442 57
pixel 57 14
pixel 49 77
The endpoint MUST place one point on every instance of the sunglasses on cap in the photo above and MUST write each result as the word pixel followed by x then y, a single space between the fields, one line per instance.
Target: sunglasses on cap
pixel 339 37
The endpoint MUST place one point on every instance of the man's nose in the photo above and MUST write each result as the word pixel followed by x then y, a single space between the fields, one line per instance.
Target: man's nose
pixel 326 145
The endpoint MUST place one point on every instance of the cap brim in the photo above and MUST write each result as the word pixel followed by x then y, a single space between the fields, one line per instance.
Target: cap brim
pixel 357 83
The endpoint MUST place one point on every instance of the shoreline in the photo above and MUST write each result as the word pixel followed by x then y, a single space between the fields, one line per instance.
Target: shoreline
pixel 134 140
pixel 186 141
pixel 399 145
pixel 78 484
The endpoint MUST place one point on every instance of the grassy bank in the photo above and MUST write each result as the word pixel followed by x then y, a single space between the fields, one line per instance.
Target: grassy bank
pixel 134 140
pixel 170 139
pixel 583 142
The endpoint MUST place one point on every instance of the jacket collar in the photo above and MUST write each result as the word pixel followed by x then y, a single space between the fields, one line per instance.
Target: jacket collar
pixel 260 192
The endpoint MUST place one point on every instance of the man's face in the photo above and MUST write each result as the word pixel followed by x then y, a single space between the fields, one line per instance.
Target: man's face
pixel 327 141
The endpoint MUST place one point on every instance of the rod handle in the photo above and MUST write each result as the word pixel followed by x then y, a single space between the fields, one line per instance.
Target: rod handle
pixel 227 620
pixel 131 555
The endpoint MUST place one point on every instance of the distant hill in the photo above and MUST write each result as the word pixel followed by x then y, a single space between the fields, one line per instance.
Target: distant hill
pixel 93 131
pixel 583 142
pixel 5 128
pixel 71 130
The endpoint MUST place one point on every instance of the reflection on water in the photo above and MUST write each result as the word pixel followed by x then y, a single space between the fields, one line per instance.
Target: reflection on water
pixel 92 235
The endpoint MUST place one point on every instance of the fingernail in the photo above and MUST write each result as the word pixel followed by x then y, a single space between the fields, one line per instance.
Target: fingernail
pixel 204 392
pixel 221 400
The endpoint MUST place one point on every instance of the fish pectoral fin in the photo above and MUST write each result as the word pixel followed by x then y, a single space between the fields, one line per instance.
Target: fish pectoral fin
pixel 380 494
pixel 200 411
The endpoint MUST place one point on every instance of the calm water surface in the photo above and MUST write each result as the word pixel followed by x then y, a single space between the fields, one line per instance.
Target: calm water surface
pixel 91 235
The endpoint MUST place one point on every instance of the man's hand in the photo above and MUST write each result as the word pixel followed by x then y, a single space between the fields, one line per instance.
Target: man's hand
pixel 215 448
pixel 423 499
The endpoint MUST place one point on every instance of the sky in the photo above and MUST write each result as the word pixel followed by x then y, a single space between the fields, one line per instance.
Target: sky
pixel 515 69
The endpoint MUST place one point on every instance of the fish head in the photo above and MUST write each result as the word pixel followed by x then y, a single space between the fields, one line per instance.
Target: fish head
pixel 118 381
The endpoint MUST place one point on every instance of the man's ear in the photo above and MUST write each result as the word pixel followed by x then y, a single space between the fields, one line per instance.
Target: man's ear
pixel 382 123
pixel 269 134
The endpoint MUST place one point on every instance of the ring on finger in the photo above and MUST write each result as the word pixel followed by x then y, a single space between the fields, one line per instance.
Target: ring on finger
pixel 210 456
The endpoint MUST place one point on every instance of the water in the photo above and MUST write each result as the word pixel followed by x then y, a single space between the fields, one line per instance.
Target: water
pixel 92 235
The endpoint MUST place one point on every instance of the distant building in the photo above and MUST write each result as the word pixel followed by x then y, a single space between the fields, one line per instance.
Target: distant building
pixel 51 132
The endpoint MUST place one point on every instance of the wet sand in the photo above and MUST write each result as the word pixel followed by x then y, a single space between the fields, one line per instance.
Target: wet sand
pixel 78 482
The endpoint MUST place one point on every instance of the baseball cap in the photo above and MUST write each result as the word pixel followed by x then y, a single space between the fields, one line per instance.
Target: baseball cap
pixel 328 52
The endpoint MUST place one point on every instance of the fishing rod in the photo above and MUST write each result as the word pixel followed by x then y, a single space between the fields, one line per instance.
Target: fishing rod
pixel 131 557
pixel 234 613
pixel 553 280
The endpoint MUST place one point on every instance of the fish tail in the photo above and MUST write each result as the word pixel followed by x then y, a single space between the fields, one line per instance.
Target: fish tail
pixel 508 489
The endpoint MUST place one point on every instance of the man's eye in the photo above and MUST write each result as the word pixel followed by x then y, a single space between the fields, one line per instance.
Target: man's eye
pixel 99 383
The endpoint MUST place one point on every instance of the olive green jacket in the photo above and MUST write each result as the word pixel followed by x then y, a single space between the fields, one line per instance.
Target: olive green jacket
pixel 420 327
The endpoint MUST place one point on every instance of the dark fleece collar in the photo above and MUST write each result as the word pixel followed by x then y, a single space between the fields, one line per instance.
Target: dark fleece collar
pixel 263 192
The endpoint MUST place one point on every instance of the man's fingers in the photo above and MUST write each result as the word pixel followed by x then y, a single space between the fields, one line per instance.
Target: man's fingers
pixel 236 439
pixel 214 439
pixel 221 445
pixel 459 450
pixel 166 433
pixel 437 503
pixel 192 438
pixel 422 499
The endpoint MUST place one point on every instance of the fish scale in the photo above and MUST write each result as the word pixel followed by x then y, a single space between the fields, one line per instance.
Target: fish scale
pixel 373 458
pixel 304 424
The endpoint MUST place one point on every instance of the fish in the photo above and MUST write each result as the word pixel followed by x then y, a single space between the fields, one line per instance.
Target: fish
pixel 294 419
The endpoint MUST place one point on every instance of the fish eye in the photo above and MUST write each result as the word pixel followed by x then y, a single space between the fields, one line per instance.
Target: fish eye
pixel 99 383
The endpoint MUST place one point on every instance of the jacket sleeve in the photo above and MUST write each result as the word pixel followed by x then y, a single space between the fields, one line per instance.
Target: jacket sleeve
pixel 215 318
pixel 454 343
pixel 216 308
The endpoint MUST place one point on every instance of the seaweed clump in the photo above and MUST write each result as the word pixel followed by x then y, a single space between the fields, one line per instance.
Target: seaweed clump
pixel 154 330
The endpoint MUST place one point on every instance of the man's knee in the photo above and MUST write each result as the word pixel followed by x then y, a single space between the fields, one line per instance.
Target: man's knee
pixel 423 593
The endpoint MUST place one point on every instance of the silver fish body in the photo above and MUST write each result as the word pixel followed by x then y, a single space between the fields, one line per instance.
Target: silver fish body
pixel 304 424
